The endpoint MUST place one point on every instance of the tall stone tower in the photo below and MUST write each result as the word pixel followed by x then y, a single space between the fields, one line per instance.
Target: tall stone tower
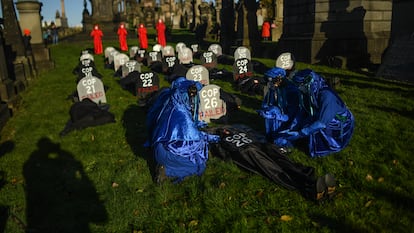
pixel 63 19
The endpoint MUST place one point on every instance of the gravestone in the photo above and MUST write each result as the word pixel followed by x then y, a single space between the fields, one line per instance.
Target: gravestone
pixel 242 52
pixel 141 55
pixel 119 60
pixel 133 51
pixel 198 73
pixel 168 63
pixel 168 51
pixel 194 47
pixel 108 51
pixel 112 56
pixel 86 56
pixel 180 46
pixel 153 57
pixel 211 104
pixel 242 68
pixel 147 83
pixel 157 48
pixel 285 61
pixel 91 87
pixel 185 56
pixel 130 66
pixel 216 48
pixel 209 60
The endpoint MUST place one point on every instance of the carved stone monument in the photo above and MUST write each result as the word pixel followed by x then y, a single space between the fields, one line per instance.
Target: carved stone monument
pixel 29 14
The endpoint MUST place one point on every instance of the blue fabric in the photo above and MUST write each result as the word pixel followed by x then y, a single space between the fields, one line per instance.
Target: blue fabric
pixel 328 122
pixel 174 136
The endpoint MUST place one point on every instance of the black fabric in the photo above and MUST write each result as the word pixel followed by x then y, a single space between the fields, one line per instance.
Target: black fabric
pixel 249 150
pixel 87 113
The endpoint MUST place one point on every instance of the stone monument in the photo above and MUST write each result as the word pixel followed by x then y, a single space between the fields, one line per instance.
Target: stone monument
pixel 398 61
pixel 29 14
pixel 355 31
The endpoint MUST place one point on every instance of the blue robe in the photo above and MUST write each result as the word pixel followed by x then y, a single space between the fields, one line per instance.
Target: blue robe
pixel 174 136
pixel 328 124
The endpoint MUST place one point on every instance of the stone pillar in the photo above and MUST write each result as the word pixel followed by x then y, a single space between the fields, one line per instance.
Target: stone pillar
pixel 356 31
pixel 29 14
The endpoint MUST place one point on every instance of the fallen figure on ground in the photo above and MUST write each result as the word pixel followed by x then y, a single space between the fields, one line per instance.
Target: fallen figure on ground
pixel 250 150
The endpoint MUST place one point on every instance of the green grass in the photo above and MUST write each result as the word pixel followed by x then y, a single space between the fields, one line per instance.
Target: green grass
pixel 99 179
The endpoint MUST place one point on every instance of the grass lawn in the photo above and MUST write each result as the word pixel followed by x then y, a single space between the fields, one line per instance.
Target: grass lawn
pixel 99 179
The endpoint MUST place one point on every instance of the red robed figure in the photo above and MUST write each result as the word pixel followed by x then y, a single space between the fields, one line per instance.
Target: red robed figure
pixel 97 35
pixel 122 36
pixel 142 36
pixel 161 33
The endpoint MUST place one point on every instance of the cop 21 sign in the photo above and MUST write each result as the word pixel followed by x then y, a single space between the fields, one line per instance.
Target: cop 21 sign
pixel 91 87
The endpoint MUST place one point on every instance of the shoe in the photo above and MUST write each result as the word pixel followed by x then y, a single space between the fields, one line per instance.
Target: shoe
pixel 160 176
pixel 321 190
pixel 330 185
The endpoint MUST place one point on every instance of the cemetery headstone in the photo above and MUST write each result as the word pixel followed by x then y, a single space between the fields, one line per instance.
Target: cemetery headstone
pixel 185 56
pixel 119 60
pixel 194 47
pixel 168 51
pixel 180 46
pixel 133 51
pixel 242 68
pixel 91 87
pixel 141 55
pixel 216 48
pixel 108 51
pixel 242 52
pixel 168 63
pixel 198 73
pixel 130 66
pixel 157 47
pixel 86 56
pixel 211 104
pixel 285 61
pixel 209 60
pixel 111 57
pixel 147 83
pixel 153 56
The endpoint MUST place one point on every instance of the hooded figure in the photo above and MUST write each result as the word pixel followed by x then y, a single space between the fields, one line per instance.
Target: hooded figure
pixel 142 36
pixel 329 124
pixel 97 35
pixel 161 33
pixel 122 37
pixel 179 147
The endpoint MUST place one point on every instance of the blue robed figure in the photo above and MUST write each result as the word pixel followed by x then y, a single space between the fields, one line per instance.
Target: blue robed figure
pixel 329 124
pixel 280 106
pixel 174 136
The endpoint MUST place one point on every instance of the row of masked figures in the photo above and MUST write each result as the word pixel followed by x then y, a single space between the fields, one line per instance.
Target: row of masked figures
pixel 298 106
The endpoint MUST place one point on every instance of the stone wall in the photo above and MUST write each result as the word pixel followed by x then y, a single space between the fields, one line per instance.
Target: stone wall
pixel 317 31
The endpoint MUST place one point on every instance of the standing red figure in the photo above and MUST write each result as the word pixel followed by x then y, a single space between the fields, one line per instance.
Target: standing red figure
pixel 97 35
pixel 161 33
pixel 142 36
pixel 122 36
pixel 266 30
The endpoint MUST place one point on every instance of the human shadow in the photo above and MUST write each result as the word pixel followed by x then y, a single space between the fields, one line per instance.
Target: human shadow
pixel 345 37
pixel 133 121
pixel 5 147
pixel 60 196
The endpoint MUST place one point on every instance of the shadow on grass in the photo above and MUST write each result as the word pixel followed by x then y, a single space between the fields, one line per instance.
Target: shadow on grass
pixel 336 225
pixel 59 195
pixel 133 121
pixel 5 147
